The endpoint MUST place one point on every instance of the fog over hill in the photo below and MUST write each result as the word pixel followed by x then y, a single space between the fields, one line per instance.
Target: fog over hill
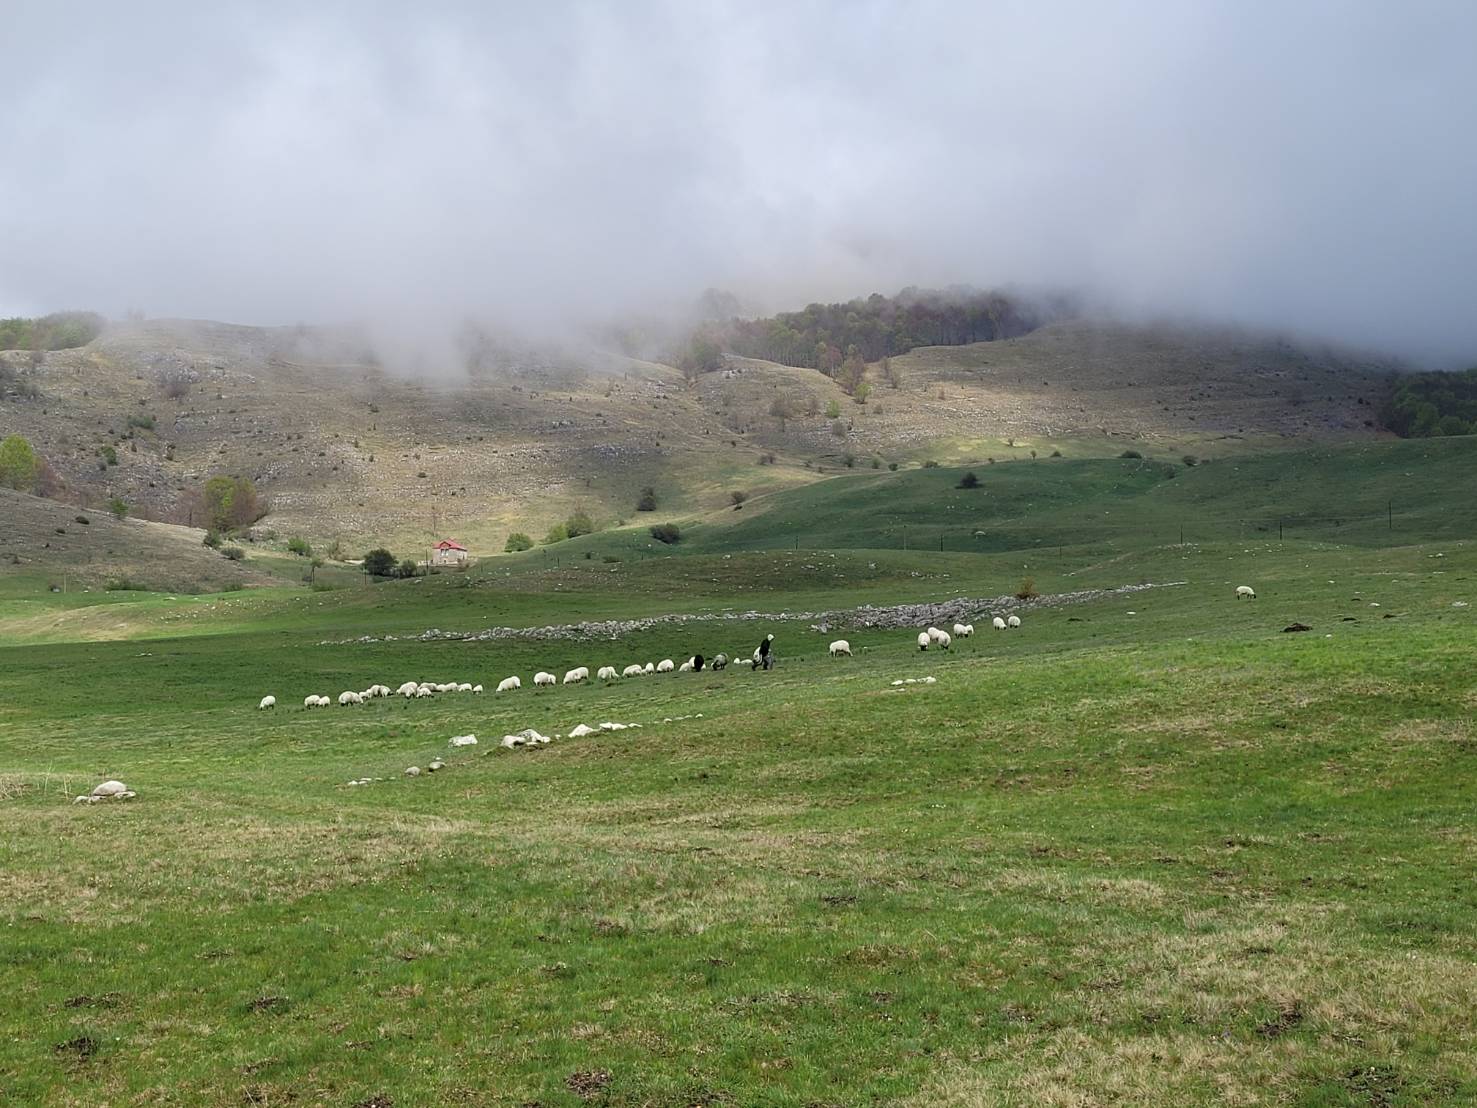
pixel 1300 167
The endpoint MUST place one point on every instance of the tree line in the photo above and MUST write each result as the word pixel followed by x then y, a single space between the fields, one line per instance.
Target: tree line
pixel 58 331
pixel 1424 405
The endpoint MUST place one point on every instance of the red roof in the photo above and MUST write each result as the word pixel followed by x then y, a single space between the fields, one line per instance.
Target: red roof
pixel 449 544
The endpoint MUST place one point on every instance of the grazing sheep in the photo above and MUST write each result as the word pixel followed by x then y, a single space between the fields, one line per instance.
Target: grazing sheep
pixel 632 670
pixel 840 647
pixel 379 690
pixel 666 665
pixel 944 640
pixel 963 630
pixel 607 673
pixel 685 667
pixel 720 661
pixel 465 686
pixel 576 675
pixel 936 635
pixel 476 690
pixel 543 678
pixel 1013 621
pixel 108 790
pixel 267 702
pixel 508 684
pixel 998 623
pixel 923 640
pixel 647 670
pixel 1245 592
pixel 424 690
pixel 347 698
pixel 310 701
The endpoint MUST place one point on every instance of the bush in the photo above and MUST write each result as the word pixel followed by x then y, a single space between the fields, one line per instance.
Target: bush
pixel 234 553
pixel 125 584
pixel 848 459
pixel 517 541
pixel 1027 589
pixel 379 562
pixel 212 539
pixel 143 422
pixel 407 568
pixel 766 459
pixel 968 481
pixel 556 533
pixel 108 455
pixel 838 429
pixel 299 547
pixel 666 533
pixel 892 466
pixel 738 496
pixel 579 524
pixel 19 466
pixel 230 503
pixel 1056 453
pixel 930 464
pixel 83 520
pixel 118 506
pixel 833 409
pixel 1130 454
pixel 647 501
pixel 1190 460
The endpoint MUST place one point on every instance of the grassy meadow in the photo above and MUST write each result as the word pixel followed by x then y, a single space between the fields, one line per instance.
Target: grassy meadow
pixel 1149 849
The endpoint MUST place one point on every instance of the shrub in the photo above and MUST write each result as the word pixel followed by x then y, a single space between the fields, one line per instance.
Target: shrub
pixel 666 533
pixel 299 547
pixel 230 503
pixel 738 496
pixel 1056 453
pixel 833 409
pixel 863 390
pixel 407 568
pixel 930 464
pixel 1190 460
pixel 143 422
pixel 766 459
pixel 234 553
pixel 892 466
pixel 125 584
pixel 848 459
pixel 610 560
pixel 212 539
pixel 579 524
pixel 557 533
pixel 838 429
pixel 517 541
pixel 118 506
pixel 1027 589
pixel 108 455
pixel 1130 454
pixel 379 562
pixel 968 481
pixel 647 501
pixel 83 520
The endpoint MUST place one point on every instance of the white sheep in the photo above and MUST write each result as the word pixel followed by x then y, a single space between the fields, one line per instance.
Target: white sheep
pixel 923 640
pixel 108 790
pixel 632 670
pixel 998 623
pixel 407 690
pixel 465 686
pixel 424 691
pixel 543 678
pixel 963 630
pixel 936 635
pixel 476 690
pixel 1013 621
pixel 607 673
pixel 464 740
pixel 267 702
pixel 647 670
pixel 686 667
pixel 666 665
pixel 1245 592
pixel 840 647
pixel 720 661
pixel 347 698
pixel 576 675
pixel 944 640
pixel 508 684
pixel 379 690
pixel 310 701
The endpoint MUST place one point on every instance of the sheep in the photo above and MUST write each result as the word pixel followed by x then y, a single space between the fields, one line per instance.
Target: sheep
pixel 476 690
pixel 408 689
pixel 543 678
pixel 944 640
pixel 685 667
pixel 508 684
pixel 607 673
pixel 936 635
pixel 347 698
pixel 1013 621
pixel 923 640
pixel 423 691
pixel 379 690
pixel 575 676
pixel 720 661
pixel 998 623
pixel 647 670
pixel 310 701
pixel 465 686
pixel 108 790
pixel 463 740
pixel 1245 592
pixel 666 665
pixel 840 647
pixel 963 630
pixel 267 702
pixel 632 670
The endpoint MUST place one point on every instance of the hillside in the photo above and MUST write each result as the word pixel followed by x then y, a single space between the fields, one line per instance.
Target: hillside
pixel 346 448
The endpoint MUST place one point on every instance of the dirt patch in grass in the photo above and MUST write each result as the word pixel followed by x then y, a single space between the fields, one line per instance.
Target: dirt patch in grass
pixel 1288 1016
pixel 267 1004
pixel 587 1084
pixel 80 1049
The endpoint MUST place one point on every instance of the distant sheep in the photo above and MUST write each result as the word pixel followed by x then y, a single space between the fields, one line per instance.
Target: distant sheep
pixel 998 623
pixel 1245 592
pixel 936 635
pixel 632 670
pixel 923 640
pixel 508 684
pixel 407 689
pixel 315 701
pixel 1012 621
pixel 576 675
pixel 720 661
pixel 840 647
pixel 607 673
pixel 963 630
pixel 347 698
pixel 544 678
pixel 666 665
pixel 686 667
pixel 424 691
pixel 464 686
pixel 944 640
pixel 476 690
pixel 648 669
pixel 267 702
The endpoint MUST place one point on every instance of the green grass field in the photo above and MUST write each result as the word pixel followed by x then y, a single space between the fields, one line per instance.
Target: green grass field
pixel 1149 849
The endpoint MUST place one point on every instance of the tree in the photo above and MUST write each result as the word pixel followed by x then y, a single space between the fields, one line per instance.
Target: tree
pixel 230 503
pixel 407 568
pixel 667 533
pixel 647 503
pixel 379 562
pixel 233 553
pixel 861 392
pixel 212 539
pixel 118 506
pixel 969 481
pixel 19 466
pixel 299 547
pixel 314 565
pixel 738 496
pixel 517 541
pixel 557 533
pixel 579 524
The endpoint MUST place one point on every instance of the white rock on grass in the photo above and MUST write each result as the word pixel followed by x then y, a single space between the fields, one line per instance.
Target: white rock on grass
pixel 413 771
pixel 527 737
pixel 464 740
pixel 108 790
pixel 434 766
pixel 581 731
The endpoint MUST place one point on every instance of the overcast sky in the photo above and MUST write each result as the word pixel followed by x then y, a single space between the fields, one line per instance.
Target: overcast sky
pixel 1298 164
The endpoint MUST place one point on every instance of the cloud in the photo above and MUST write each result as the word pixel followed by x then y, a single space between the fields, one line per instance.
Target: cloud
pixel 1305 166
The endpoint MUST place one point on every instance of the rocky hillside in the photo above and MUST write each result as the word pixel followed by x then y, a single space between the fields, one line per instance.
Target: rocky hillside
pixel 345 448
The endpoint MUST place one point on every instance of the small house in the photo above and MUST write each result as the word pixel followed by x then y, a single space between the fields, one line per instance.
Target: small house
pixel 449 552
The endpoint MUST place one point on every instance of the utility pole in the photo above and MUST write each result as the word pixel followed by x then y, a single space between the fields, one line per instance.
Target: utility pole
pixel 1390 514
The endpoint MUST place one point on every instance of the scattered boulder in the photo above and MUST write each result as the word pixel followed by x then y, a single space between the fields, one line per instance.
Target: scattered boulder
pixel 108 790
pixel 413 771
pixel 1296 627
pixel 464 740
